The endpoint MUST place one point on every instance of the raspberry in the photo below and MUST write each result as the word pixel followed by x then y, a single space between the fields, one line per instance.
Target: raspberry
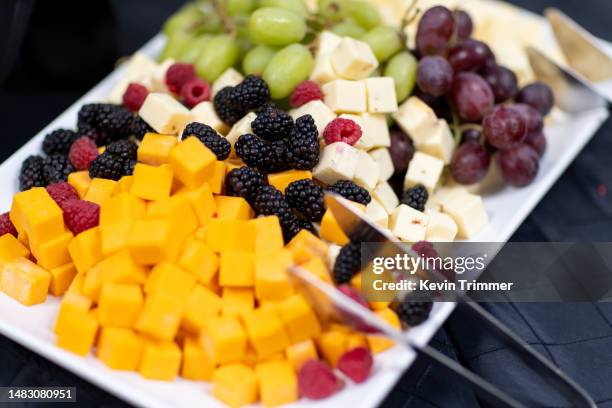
pixel 195 91
pixel 266 157
pixel 112 121
pixel 303 144
pixel 426 250
pixel 356 364
pixel 272 124
pixel 210 138
pixel 56 168
pixel 62 193
pixel 224 103
pixel 307 197
pixel 305 92
pixel 413 313
pixel 244 182
pixel 139 128
pixel 348 263
pixel 351 191
pixel 270 201
pixel 342 130
pixel 82 152
pixel 351 319
pixel 178 75
pixel 31 174
pixel 352 293
pixel 316 380
pixel 6 226
pixel 251 93
pixel 59 141
pixel 134 96
pixel 80 215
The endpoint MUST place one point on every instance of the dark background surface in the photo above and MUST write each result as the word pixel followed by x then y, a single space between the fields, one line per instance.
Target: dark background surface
pixel 79 43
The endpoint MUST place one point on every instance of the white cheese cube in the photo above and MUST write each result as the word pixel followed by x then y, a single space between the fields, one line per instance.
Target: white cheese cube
pixel 381 95
pixel 327 42
pixel 408 224
pixel 375 132
pixel 466 209
pixel 139 66
pixel 158 78
pixel 204 112
pixel 423 169
pixel 338 161
pixel 439 142
pixel 319 111
pixel 345 96
pixel 116 94
pixel 243 126
pixel 323 71
pixel 332 254
pixel 230 77
pixel 384 194
pixel 441 227
pixel 353 59
pixel 415 118
pixel 367 172
pixel 384 162
pixel 377 214
pixel 165 114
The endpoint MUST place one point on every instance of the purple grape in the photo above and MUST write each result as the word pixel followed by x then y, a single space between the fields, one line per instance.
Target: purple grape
pixel 471 96
pixel 539 95
pixel 537 141
pixel 464 24
pixel 469 55
pixel 434 31
pixel 471 135
pixel 504 127
pixel 533 118
pixel 470 163
pixel 519 165
pixel 503 82
pixel 401 151
pixel 434 75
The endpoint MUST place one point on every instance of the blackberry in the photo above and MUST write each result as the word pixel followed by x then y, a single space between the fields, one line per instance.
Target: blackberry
pixel 303 144
pixel 225 106
pixel 123 149
pixel 101 138
pixel 266 157
pixel 351 191
pixel 244 182
pixel 270 201
pixel 251 93
pixel 56 168
pixel 139 128
pixel 307 197
pixel 109 166
pixel 59 141
pixel 413 313
pixel 272 124
pixel 31 174
pixel 113 120
pixel 307 225
pixel 416 197
pixel 211 139
pixel 348 263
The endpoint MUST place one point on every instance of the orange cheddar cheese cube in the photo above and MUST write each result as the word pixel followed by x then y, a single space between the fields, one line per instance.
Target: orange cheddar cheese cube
pixel 224 339
pixel 299 353
pixel 332 344
pixel 117 268
pixel 37 214
pixel 331 230
pixel 305 245
pixel 119 304
pixel 192 162
pixel 299 319
pixel 233 163
pixel 379 305
pixel 233 208
pixel 196 364
pixel 85 249
pixel 203 203
pixel 119 348
pixel 202 304
pixel 199 260
pixel 272 281
pixel 61 278
pixel 100 190
pixel 265 331
pixel 237 269
pixel 72 304
pixel 152 241
pixel 277 382
pixel 78 334
pixel 25 281
pixel 76 287
pixel 170 280
pixel 152 183
pixel 251 357
pixel 11 248
pixel 237 301
pixel 114 236
pixel 179 211
pixel 23 238
pixel 230 235
pixel 268 234
pixel 235 385
pixel 124 185
pixel 53 253
pixel 161 360
pixel 80 181
pixel 217 180
pixel 356 340
pixel 121 207
pixel 377 342
pixel 318 268
pixel 160 317
pixel 283 179
pixel 155 149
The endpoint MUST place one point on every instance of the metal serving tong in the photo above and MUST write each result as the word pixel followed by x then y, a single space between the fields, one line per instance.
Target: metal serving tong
pixel 330 303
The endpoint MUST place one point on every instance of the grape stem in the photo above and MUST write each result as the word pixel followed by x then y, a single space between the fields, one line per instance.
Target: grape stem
pixel 456 126
pixel 411 13
pixel 228 25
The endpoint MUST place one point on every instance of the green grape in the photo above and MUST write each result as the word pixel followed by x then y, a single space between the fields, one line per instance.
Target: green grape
pixel 364 13
pixel 220 53
pixel 276 26
pixel 176 44
pixel 241 25
pixel 290 66
pixel 193 48
pixel 332 10
pixel 183 19
pixel 239 7
pixel 348 28
pixel 384 41
pixel 256 60
pixel 402 68
pixel 297 6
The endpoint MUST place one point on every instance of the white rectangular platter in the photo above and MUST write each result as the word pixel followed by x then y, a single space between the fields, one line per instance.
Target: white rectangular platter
pixel 32 326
